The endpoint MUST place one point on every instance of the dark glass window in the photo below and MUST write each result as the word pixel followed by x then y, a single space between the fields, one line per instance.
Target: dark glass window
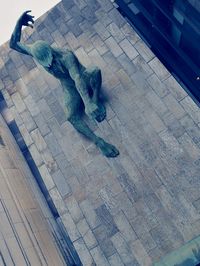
pixel 172 29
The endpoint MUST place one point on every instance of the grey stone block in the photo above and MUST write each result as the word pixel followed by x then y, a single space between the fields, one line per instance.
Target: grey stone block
pixel 83 252
pixel 16 59
pixel 36 155
pixel 45 35
pixel 173 147
pixel 18 102
pixel 114 47
pixel 89 213
pixel 159 69
pixel 142 66
pixel 26 136
pixel 140 253
pixel 58 37
pixel 85 42
pixel 75 212
pixel 38 140
pixel 99 44
pixel 111 61
pixel 87 234
pixel 108 198
pixel 88 12
pixel 80 3
pixel 189 146
pixel 129 49
pixel 191 128
pixel 11 70
pixel 115 260
pixel 116 32
pixel 103 18
pixel 128 186
pixel 53 144
pixel 70 227
pixel 29 62
pixel 98 256
pixel 67 4
pixel 97 59
pixel 176 90
pixel 107 220
pixel 60 205
pixel 148 242
pixel 106 5
pixel 123 249
pixel 124 227
pixel 174 106
pixel 41 124
pixel 101 30
pixel 131 35
pixel 31 105
pixel 116 17
pixel 158 86
pixel 191 108
pixel 74 27
pixel 60 114
pixel 127 64
pixel 49 161
pixel 156 102
pixel 126 205
pixel 173 125
pixel 144 51
pixel 71 40
pixel 49 183
pixel 34 91
pixel 80 172
pixel 83 57
pixel 61 183
pixel 28 120
pixel 44 108
pixel 154 119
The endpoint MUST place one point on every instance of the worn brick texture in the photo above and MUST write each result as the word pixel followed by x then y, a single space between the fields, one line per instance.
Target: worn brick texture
pixel 136 208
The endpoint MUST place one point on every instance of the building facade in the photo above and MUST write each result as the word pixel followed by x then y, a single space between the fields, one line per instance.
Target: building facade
pixel 139 207
pixel 171 29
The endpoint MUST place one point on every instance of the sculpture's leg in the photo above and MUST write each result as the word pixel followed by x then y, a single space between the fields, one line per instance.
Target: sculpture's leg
pixel 107 149
pixel 94 80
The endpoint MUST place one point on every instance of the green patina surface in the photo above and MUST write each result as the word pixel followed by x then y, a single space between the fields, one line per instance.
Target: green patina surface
pixel 187 255
pixel 81 85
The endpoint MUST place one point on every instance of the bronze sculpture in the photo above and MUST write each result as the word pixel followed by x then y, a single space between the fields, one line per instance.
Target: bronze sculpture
pixel 80 85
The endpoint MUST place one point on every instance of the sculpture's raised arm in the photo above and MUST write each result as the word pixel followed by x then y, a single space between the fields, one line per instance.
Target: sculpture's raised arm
pixel 24 20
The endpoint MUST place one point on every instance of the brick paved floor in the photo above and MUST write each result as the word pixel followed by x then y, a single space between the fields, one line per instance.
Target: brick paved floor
pixel 136 208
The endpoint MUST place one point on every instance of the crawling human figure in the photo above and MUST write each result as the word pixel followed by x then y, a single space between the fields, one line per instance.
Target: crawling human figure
pixel 81 85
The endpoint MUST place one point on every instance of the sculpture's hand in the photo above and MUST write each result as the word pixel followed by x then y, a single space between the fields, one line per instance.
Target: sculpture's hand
pixel 26 19
pixel 91 110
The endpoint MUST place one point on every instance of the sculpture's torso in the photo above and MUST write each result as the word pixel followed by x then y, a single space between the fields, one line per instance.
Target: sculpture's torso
pixel 62 60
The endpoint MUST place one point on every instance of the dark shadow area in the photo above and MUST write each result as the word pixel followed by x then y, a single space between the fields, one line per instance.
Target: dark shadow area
pixel 171 29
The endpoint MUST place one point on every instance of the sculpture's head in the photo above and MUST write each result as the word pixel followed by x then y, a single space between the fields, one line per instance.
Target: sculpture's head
pixel 42 53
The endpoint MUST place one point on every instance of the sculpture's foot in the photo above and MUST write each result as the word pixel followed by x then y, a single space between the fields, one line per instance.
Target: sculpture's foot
pixel 100 114
pixel 107 149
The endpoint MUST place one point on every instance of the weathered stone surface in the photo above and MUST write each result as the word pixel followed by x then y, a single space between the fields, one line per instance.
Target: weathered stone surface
pixel 87 234
pixel 113 209
pixel 83 252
